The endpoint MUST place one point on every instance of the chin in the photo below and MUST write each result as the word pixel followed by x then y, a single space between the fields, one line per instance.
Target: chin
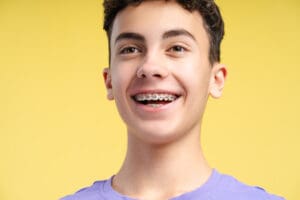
pixel 155 135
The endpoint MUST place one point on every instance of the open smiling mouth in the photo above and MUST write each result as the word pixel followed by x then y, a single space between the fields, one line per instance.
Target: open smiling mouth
pixel 155 99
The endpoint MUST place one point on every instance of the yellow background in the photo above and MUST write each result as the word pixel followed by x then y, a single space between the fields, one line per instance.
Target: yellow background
pixel 58 132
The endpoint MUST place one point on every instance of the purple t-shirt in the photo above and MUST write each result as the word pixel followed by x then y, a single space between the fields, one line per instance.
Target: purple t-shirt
pixel 217 187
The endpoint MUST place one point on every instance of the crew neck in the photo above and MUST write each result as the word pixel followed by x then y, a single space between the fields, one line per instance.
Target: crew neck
pixel 203 189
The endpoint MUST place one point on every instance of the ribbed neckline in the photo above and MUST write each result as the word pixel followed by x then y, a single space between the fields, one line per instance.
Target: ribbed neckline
pixel 207 186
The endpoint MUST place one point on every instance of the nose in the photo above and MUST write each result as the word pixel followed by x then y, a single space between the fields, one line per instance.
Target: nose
pixel 152 68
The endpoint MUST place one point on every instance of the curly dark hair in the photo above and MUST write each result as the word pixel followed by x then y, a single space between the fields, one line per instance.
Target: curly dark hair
pixel 213 22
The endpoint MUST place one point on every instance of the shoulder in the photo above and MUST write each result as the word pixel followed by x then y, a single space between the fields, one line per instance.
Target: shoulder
pixel 93 192
pixel 231 188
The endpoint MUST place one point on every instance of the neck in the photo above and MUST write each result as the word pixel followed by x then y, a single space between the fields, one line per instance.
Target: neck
pixel 149 169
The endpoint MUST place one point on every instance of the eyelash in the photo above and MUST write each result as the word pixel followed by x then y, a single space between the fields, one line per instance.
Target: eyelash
pixel 129 50
pixel 175 49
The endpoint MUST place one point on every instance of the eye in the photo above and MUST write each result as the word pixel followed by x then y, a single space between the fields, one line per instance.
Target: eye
pixel 177 48
pixel 129 50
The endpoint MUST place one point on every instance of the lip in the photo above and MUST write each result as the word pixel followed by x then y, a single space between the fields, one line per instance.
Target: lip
pixel 144 109
pixel 155 92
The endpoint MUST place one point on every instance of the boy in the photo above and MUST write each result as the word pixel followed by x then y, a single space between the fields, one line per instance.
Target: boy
pixel 164 63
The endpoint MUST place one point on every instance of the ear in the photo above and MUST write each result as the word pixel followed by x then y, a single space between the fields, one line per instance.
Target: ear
pixel 217 80
pixel 107 82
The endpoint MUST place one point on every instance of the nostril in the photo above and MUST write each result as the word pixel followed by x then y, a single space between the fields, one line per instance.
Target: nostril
pixel 156 75
pixel 148 70
pixel 141 74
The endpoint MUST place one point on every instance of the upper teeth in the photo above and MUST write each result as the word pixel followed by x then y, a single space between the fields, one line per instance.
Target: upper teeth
pixel 155 97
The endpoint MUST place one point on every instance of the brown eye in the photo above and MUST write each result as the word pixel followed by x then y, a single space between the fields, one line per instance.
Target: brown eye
pixel 178 49
pixel 129 50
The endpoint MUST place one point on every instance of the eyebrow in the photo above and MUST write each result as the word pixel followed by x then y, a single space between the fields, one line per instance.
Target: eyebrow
pixel 166 35
pixel 178 32
pixel 130 36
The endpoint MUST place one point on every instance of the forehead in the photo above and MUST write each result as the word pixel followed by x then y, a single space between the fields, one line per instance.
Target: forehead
pixel 152 18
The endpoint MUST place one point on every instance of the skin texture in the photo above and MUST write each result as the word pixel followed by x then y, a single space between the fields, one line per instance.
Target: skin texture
pixel 158 47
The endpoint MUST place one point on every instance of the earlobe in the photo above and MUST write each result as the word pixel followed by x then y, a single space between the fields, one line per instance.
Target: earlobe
pixel 107 82
pixel 217 81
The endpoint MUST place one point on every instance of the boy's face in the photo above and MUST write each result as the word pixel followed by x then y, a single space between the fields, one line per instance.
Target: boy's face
pixel 160 75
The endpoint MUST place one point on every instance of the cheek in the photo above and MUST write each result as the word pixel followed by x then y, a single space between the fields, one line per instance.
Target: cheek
pixel 195 73
pixel 121 78
pixel 118 86
pixel 197 85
